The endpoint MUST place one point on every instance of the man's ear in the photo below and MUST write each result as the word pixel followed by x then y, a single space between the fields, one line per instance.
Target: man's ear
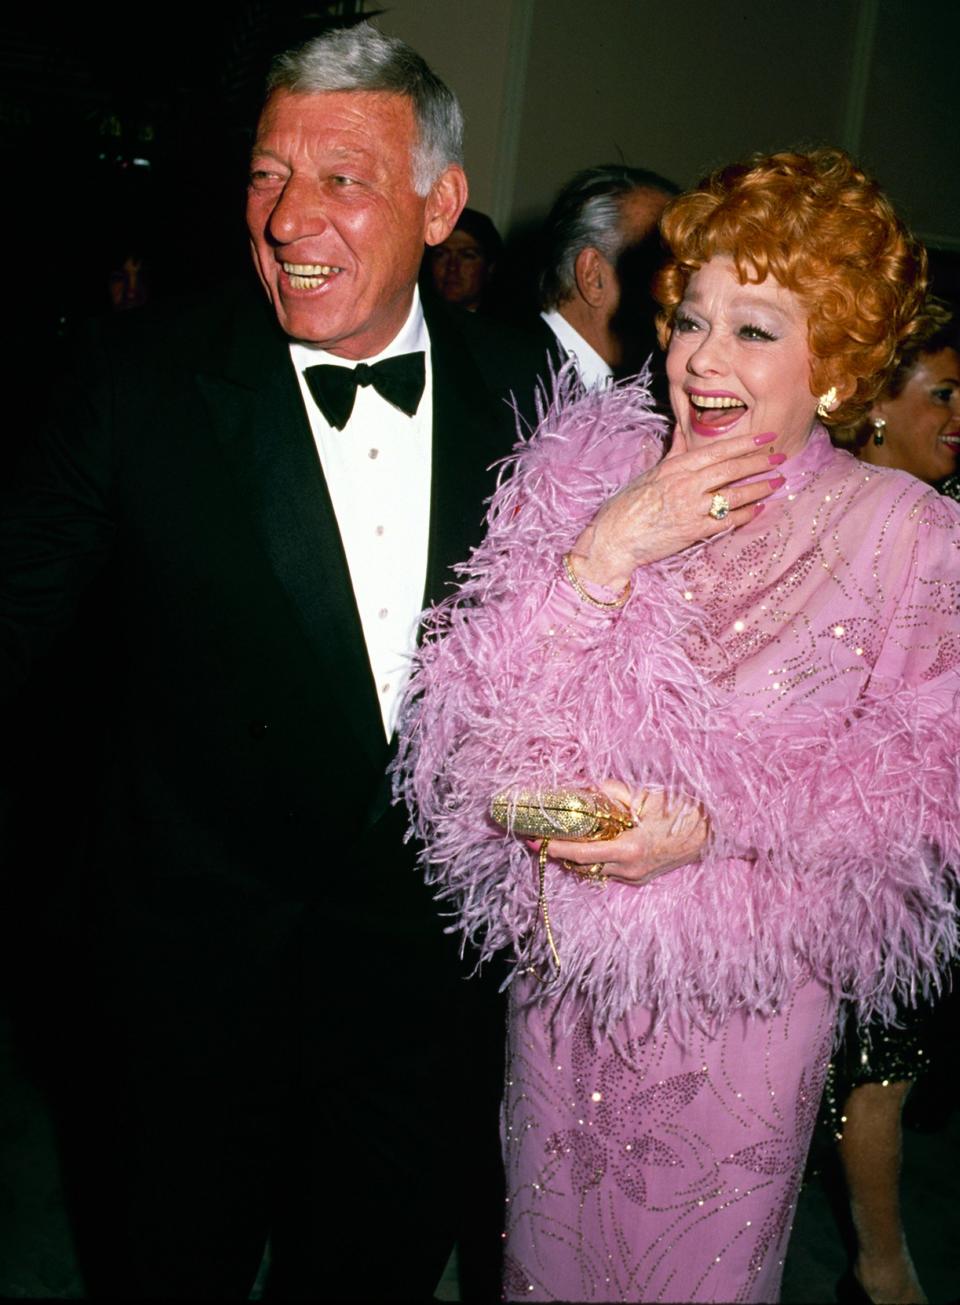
pixel 591 272
pixel 444 204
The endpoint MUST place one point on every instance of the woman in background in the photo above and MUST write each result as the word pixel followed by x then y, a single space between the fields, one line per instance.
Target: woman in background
pixel 913 425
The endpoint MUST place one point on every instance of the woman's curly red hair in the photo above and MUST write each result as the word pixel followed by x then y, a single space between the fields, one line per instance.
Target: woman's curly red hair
pixel 822 228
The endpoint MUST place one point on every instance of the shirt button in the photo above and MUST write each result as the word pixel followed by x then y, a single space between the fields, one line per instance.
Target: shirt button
pixel 383 613
pixel 373 453
pixel 379 530
pixel 384 688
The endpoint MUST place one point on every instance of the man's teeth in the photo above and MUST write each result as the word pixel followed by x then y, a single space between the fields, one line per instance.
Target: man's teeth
pixel 715 401
pixel 308 276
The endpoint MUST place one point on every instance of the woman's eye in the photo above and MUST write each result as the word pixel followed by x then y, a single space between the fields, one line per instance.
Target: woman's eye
pixel 943 394
pixel 683 323
pixel 749 332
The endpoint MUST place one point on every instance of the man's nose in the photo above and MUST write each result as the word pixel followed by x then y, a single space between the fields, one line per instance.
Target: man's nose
pixel 298 212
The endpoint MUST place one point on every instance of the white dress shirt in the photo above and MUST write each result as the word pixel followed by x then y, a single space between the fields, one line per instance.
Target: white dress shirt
pixel 594 372
pixel 378 471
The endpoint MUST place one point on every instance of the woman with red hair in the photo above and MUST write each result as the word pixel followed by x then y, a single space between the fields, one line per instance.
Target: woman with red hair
pixel 750 647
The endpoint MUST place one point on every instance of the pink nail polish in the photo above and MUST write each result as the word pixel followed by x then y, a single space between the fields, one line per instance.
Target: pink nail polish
pixel 777 481
pixel 768 438
pixel 776 458
pixel 757 509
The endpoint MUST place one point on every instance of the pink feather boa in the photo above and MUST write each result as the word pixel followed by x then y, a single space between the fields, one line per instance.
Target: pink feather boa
pixel 833 830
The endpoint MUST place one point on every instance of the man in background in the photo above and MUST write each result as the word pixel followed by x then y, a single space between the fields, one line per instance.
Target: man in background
pixel 460 269
pixel 600 250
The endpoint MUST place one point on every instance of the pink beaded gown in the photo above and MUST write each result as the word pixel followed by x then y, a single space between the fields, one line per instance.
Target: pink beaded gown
pixel 799 677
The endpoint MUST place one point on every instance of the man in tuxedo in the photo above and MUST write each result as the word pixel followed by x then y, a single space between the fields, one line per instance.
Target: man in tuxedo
pixel 600 250
pixel 274 481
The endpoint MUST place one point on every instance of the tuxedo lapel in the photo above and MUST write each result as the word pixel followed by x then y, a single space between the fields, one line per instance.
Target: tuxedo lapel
pixel 258 416
pixel 472 429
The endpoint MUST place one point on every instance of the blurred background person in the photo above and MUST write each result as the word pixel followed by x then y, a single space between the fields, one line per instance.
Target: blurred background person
pixel 914 426
pixel 462 267
pixel 600 248
pixel 128 281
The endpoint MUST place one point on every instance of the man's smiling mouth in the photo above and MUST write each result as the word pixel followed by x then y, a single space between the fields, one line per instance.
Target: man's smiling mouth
pixel 310 276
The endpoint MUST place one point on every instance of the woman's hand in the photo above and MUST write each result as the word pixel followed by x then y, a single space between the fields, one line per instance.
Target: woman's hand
pixel 667 509
pixel 665 835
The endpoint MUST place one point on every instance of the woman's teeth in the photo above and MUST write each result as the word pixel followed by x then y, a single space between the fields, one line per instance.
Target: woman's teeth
pixel 715 401
pixel 716 409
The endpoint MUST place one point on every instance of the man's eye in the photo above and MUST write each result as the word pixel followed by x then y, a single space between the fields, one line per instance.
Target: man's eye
pixel 339 180
pixel 263 177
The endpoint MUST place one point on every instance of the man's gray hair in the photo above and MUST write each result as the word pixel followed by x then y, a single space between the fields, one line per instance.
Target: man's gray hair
pixel 587 213
pixel 362 59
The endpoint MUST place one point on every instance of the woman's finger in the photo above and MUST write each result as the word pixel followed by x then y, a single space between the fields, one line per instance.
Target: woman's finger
pixel 625 848
pixel 733 471
pixel 742 496
pixel 582 853
pixel 726 450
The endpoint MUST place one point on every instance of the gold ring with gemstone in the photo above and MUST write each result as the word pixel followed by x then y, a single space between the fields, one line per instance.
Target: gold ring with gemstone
pixel 592 873
pixel 719 507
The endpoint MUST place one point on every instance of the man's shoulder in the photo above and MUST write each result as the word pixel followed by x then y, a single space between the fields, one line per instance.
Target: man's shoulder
pixel 192 328
pixel 511 359
pixel 491 338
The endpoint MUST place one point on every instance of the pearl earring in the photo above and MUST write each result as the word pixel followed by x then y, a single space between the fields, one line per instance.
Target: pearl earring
pixel 879 426
pixel 827 402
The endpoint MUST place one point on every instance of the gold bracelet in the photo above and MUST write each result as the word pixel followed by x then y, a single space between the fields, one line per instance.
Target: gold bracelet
pixel 582 593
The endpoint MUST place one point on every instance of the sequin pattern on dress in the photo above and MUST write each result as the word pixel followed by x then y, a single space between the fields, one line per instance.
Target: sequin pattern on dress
pixel 793 625
pixel 637 1170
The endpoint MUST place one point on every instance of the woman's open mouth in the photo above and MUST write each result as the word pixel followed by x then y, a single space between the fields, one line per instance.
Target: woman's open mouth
pixel 715 413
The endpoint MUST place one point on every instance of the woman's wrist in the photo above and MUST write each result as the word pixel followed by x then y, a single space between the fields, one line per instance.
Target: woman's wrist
pixel 593 566
pixel 588 591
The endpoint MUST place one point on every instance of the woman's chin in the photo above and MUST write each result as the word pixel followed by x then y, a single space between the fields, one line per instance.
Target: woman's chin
pixel 698 434
pixel 706 430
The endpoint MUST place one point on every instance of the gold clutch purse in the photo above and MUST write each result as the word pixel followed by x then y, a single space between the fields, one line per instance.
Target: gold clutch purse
pixel 560 813
pixel 547 813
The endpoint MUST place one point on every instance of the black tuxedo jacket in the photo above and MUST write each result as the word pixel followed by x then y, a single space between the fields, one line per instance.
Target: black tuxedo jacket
pixel 246 744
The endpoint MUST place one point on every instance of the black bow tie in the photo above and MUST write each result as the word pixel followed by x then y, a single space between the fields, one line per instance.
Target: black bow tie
pixel 399 380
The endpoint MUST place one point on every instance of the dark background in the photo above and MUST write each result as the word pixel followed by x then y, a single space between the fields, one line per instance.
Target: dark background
pixel 128 126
